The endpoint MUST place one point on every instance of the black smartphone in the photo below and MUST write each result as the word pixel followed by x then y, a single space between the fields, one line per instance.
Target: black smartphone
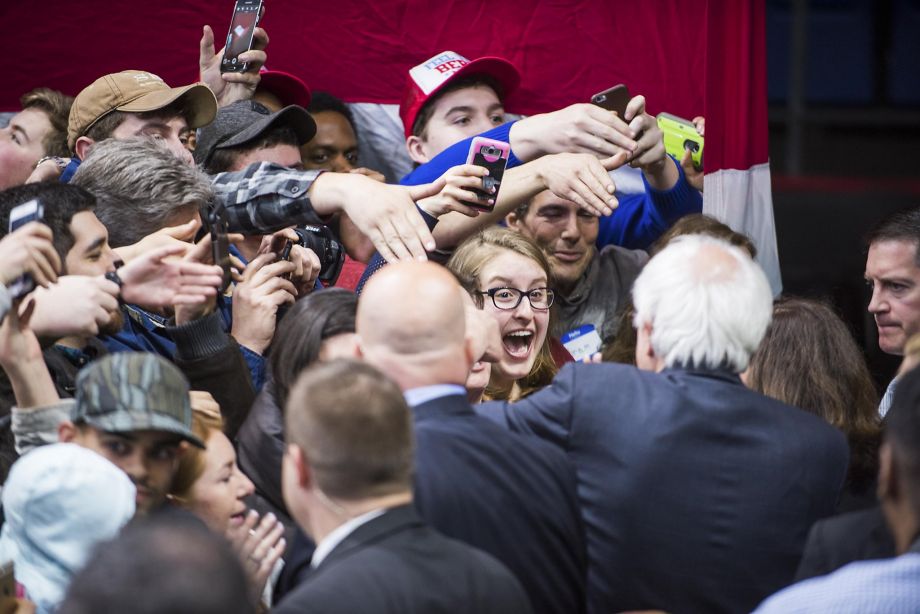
pixel 246 16
pixel 613 99
pixel 220 245
pixel 20 215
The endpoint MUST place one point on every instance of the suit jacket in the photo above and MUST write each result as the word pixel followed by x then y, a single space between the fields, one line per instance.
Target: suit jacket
pixel 511 496
pixel 396 564
pixel 838 541
pixel 697 493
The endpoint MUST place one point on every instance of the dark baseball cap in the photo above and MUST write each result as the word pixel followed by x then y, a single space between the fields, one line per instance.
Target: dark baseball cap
pixel 247 120
pixel 134 391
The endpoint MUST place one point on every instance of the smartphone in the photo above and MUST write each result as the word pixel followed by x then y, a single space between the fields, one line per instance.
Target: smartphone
pixel 220 244
pixel 613 99
pixel 492 155
pixel 21 215
pixel 679 136
pixel 246 16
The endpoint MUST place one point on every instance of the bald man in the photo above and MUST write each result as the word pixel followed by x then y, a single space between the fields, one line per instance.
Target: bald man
pixel 508 495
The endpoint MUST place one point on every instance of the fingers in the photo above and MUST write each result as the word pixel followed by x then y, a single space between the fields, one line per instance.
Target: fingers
pixel 419 240
pixel 259 35
pixel 205 48
pixel 44 262
pixel 699 122
pixel 615 162
pixel 635 107
pixel 380 243
pixel 418 192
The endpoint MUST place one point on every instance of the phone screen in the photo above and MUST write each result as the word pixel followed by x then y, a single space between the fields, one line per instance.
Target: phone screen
pixel 239 38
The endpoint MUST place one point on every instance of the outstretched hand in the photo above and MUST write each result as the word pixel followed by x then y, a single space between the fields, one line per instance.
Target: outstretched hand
pixel 154 280
pixel 386 214
pixel 582 179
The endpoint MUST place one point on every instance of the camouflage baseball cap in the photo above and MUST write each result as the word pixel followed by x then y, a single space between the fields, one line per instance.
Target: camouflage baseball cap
pixel 134 391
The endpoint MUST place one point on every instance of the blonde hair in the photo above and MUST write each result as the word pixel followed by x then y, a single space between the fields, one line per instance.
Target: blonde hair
pixel 467 263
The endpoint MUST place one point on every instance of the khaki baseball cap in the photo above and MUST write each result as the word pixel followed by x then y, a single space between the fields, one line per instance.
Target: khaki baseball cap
pixel 136 91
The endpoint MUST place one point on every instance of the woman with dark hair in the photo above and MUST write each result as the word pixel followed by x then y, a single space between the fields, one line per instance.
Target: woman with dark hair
pixel 321 327
pixel 808 359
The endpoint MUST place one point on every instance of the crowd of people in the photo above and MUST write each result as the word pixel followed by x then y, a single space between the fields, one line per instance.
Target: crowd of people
pixel 242 373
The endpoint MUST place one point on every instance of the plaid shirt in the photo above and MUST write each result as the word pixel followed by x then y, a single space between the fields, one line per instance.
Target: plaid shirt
pixel 266 197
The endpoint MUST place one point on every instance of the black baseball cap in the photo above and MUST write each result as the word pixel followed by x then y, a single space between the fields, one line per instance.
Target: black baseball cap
pixel 245 121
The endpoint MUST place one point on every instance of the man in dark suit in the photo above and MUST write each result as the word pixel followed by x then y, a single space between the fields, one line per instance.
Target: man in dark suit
pixel 511 496
pixel 346 479
pixel 697 493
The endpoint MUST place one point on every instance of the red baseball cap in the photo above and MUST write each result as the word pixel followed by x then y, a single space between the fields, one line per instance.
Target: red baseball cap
pixel 432 75
pixel 288 88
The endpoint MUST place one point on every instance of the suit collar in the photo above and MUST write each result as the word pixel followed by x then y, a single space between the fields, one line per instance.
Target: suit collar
pixel 723 374
pixel 394 520
pixel 423 394
pixel 451 405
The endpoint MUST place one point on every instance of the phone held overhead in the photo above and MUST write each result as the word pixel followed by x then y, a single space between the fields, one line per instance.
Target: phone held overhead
pixel 246 15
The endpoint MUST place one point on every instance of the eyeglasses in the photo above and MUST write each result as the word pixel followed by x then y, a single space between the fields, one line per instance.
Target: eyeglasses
pixel 510 298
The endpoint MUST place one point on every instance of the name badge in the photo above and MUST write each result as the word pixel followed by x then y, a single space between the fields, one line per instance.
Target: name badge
pixel 582 342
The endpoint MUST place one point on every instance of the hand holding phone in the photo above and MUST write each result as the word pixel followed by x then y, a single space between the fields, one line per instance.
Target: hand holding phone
pixel 681 135
pixel 493 156
pixel 614 99
pixel 32 211
pixel 246 15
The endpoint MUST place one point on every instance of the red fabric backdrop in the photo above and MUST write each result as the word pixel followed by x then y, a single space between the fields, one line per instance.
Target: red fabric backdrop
pixel 361 50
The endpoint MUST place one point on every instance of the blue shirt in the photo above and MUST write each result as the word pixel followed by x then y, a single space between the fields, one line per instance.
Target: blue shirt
pixel 888 586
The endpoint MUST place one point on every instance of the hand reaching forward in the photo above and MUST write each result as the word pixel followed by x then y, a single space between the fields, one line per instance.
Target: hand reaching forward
pixel 386 214
pixel 154 281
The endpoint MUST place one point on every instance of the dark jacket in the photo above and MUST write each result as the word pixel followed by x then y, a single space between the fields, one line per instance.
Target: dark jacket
pixel 396 564
pixel 511 496
pixel 841 540
pixel 697 493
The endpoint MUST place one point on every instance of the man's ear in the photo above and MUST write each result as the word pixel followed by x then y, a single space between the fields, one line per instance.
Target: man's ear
pixel 298 463
pixel 513 221
pixel 82 146
pixel 888 487
pixel 469 351
pixel 416 148
pixel 67 432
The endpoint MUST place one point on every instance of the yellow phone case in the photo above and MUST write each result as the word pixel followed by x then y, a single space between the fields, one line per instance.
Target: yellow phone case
pixel 679 135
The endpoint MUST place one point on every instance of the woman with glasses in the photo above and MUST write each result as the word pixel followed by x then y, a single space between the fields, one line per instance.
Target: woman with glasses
pixel 508 277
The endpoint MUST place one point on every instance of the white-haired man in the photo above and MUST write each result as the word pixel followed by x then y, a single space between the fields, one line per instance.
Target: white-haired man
pixel 696 493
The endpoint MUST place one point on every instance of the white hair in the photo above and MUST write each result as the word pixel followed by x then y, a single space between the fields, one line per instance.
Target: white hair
pixel 707 302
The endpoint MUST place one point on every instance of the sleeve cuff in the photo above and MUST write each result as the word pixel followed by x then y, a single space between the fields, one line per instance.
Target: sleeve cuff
pixel 671 205
pixel 199 339
pixel 38 426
